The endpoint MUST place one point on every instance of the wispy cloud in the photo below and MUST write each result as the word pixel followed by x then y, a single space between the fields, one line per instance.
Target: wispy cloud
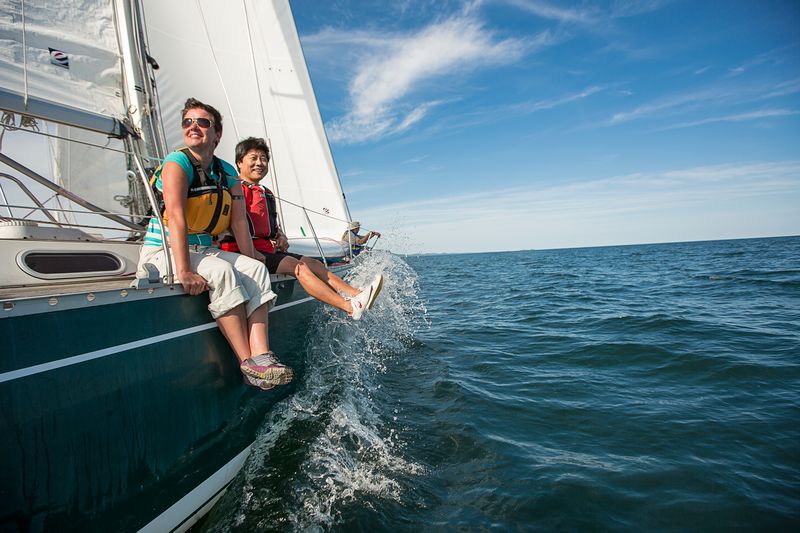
pixel 392 68
pixel 784 88
pixel 773 57
pixel 416 159
pixel 587 13
pixel 553 12
pixel 676 101
pixel 740 117
pixel 550 103
pixel 710 97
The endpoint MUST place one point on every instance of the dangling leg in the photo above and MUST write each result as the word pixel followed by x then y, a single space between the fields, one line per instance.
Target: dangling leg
pixel 258 327
pixel 313 285
pixel 234 326
pixel 331 279
pixel 245 282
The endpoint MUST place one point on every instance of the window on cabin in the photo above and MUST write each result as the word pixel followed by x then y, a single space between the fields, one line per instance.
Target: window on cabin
pixel 72 263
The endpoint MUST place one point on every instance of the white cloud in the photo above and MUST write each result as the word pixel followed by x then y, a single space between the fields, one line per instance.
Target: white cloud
pixel 416 115
pixel 392 69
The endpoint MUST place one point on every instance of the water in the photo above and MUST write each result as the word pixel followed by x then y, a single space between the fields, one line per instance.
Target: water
pixel 620 388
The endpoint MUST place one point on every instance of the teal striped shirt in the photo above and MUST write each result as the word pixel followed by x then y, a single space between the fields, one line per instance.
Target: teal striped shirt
pixel 153 236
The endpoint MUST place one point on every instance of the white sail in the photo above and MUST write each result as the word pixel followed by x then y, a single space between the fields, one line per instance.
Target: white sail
pixel 55 57
pixel 244 58
pixel 66 73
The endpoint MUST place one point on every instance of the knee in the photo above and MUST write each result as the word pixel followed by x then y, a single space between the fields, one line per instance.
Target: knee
pixel 310 263
pixel 301 269
pixel 220 274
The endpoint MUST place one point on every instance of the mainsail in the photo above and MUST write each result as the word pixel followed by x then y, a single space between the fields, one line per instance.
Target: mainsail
pixel 245 58
pixel 62 63
pixel 84 75
pixel 65 75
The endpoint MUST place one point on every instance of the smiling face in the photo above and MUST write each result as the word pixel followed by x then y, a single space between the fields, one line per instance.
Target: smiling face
pixel 195 135
pixel 253 166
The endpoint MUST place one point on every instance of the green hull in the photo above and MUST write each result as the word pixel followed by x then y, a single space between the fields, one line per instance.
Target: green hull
pixel 110 440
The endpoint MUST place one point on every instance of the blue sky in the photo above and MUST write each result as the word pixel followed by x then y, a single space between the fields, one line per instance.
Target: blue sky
pixel 517 124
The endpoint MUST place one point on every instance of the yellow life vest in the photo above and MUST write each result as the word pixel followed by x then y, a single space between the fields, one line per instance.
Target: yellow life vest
pixel 208 204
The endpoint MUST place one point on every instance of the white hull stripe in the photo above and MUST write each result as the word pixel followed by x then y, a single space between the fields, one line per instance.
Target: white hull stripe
pixel 75 359
pixel 184 513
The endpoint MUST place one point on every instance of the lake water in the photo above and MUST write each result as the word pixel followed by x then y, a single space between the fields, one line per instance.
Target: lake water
pixel 618 388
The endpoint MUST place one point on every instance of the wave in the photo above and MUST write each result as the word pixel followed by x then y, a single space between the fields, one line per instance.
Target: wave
pixel 333 441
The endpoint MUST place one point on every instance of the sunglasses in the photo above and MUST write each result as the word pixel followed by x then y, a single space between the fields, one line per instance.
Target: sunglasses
pixel 202 122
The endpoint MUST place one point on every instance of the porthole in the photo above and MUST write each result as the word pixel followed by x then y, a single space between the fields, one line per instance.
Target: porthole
pixel 54 264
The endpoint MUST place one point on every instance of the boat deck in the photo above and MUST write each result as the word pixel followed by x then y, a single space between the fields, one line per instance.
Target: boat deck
pixel 100 285
pixel 62 289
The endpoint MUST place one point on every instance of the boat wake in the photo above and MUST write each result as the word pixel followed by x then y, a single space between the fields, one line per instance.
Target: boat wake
pixel 334 443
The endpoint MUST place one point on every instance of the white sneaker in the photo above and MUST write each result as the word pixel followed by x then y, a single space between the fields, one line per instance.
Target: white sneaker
pixel 366 298
pixel 375 287
pixel 357 303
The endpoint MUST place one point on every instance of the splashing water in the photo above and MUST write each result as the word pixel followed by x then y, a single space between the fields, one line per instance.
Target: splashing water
pixel 331 443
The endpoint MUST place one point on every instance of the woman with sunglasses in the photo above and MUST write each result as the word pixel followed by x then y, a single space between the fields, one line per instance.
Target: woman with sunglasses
pixel 239 287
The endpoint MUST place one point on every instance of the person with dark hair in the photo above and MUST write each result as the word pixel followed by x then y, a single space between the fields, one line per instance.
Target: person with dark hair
pixel 271 244
pixel 202 198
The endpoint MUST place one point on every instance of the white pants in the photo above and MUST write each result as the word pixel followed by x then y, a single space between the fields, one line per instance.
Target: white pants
pixel 232 278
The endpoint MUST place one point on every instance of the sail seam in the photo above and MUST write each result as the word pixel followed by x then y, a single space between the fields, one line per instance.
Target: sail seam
pixel 216 66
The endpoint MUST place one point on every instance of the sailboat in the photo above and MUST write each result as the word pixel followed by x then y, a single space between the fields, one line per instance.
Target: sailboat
pixel 122 406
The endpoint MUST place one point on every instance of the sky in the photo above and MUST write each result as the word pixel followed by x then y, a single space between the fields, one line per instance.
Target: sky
pixel 469 126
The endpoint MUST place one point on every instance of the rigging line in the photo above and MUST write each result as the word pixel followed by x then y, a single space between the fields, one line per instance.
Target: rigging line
pixel 216 65
pixel 310 210
pixel 86 226
pixel 34 209
pixel 74 211
pixel 102 147
pixel 162 149
pixel 142 64
pixel 255 69
pixel 24 57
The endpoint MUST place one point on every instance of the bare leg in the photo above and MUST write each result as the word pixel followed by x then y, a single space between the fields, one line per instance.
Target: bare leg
pixel 233 325
pixel 313 285
pixel 258 324
pixel 333 281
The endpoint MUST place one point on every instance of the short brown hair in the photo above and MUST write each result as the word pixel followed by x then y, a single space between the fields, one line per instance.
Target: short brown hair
pixel 193 103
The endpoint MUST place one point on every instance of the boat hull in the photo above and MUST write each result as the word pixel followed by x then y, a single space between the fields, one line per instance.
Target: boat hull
pixel 112 413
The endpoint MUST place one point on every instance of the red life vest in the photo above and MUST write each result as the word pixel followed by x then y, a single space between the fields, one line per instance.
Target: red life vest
pixel 262 218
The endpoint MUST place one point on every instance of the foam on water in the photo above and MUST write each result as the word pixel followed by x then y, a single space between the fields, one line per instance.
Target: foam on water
pixel 328 444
